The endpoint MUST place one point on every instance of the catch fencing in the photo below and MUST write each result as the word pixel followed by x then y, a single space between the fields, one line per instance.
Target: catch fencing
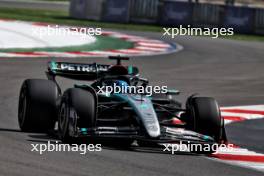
pixel 171 13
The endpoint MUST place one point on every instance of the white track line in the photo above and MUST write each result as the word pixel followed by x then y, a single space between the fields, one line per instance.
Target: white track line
pixel 240 156
pixel 142 46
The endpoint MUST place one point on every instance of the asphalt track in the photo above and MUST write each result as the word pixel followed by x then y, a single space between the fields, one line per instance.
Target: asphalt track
pixel 230 71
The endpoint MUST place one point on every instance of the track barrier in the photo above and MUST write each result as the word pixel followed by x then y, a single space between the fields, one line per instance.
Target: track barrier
pixel 239 18
pixel 176 13
pixel 145 11
pixel 171 13
pixel 116 11
pixel 259 21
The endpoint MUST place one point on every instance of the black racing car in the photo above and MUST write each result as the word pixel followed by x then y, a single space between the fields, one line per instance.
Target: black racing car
pixel 85 111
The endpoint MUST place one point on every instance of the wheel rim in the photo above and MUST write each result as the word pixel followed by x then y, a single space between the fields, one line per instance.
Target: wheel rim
pixel 63 120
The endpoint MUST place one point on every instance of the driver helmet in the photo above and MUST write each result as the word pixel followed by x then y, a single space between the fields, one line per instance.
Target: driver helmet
pixel 121 83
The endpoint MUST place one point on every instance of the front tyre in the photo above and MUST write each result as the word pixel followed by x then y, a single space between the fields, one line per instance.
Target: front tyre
pixel 37 110
pixel 205 117
pixel 78 108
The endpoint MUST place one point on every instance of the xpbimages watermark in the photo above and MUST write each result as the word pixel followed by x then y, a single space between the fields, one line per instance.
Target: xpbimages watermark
pixel 52 30
pixel 144 90
pixel 192 31
pixel 59 147
pixel 193 147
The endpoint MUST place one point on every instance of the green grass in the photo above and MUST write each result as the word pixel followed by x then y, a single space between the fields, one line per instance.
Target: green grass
pixel 60 17
pixel 259 38
pixel 51 0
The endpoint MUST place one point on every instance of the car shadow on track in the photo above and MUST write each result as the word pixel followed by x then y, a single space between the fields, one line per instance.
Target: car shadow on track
pixel 10 130
pixel 53 139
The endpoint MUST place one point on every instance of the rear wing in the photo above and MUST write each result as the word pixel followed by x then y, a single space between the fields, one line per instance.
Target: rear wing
pixel 80 71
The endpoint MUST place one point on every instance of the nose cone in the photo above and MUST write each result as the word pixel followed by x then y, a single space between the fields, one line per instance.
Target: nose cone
pixel 153 130
pixel 146 114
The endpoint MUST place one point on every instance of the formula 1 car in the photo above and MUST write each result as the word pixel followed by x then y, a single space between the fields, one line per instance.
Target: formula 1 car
pixel 85 111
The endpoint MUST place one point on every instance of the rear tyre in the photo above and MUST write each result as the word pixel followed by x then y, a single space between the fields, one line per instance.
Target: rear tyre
pixel 37 109
pixel 81 104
